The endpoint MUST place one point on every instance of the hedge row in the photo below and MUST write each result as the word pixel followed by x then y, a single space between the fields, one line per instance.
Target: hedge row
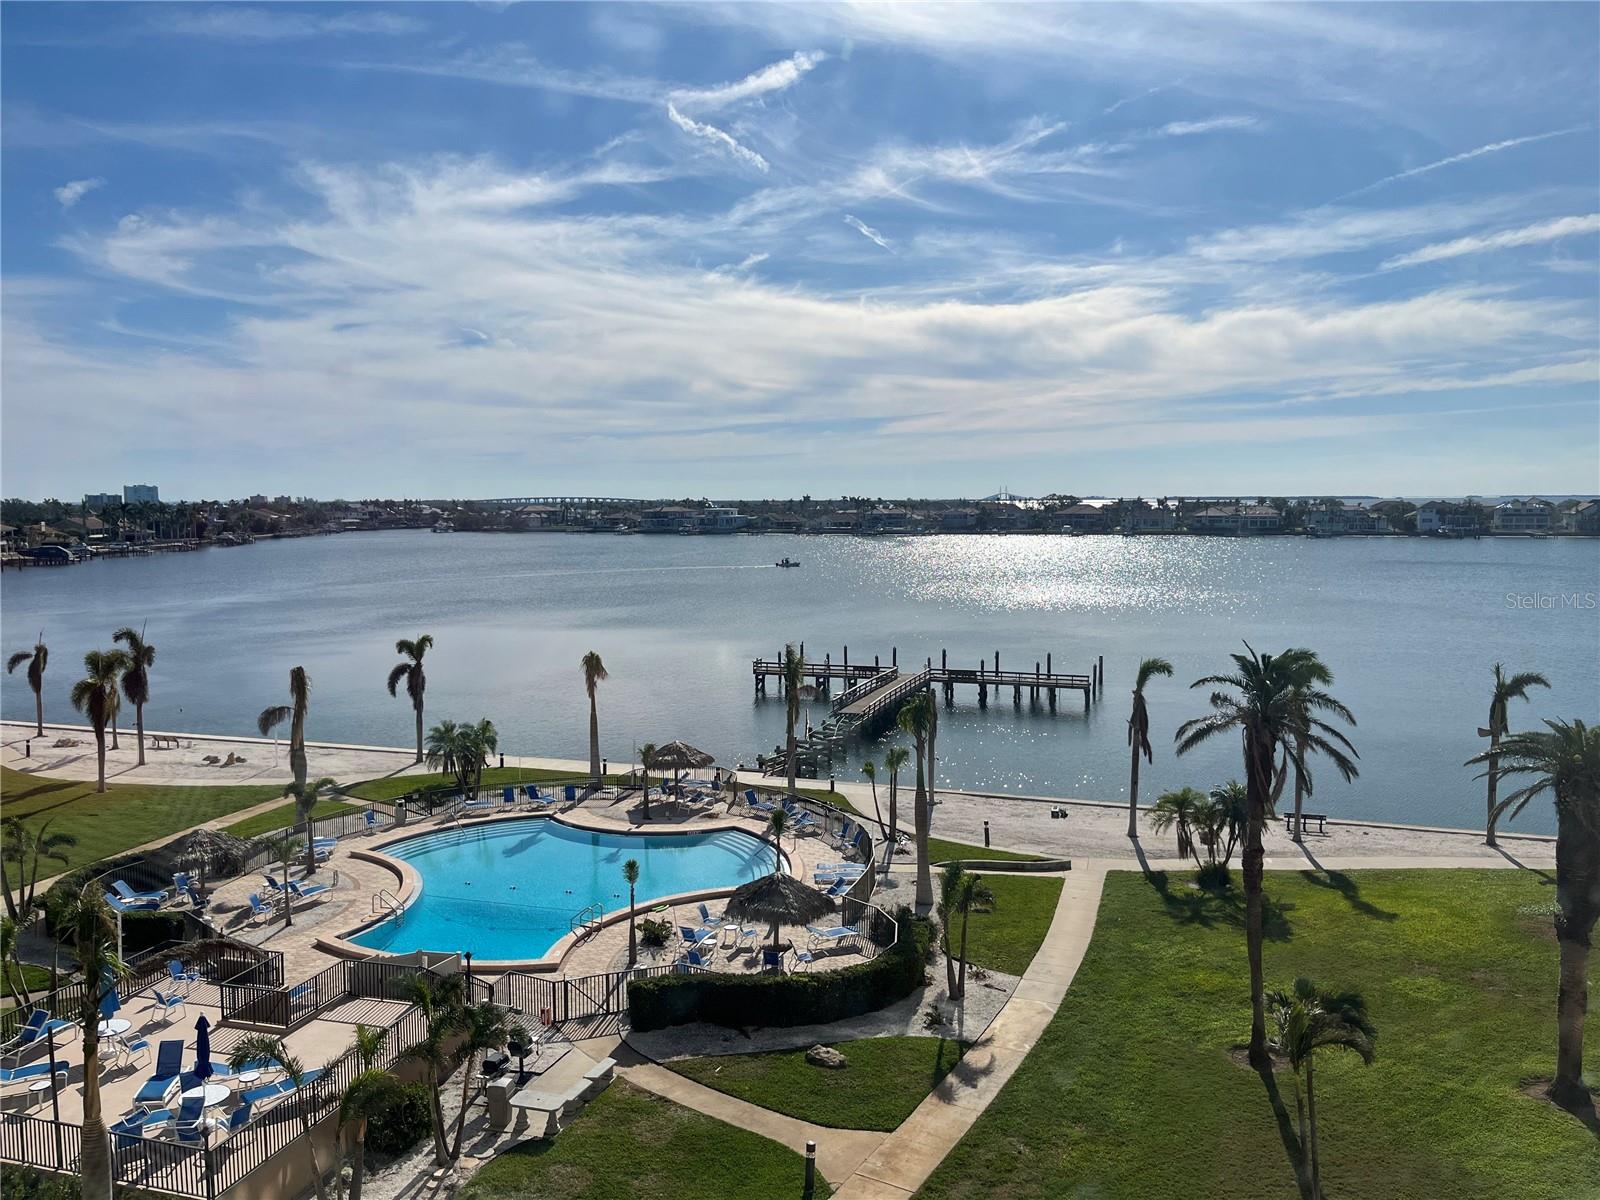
pixel 812 998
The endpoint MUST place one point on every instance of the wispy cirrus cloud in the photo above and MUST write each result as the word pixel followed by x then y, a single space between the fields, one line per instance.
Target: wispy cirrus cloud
pixel 282 22
pixel 719 138
pixel 1464 156
pixel 1505 239
pixel 867 231
pixel 69 194
pixel 775 77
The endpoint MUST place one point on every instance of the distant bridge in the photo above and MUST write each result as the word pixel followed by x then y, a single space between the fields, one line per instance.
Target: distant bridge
pixel 565 502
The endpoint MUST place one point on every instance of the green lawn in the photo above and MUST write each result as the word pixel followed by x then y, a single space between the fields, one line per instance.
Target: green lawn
pixel 1008 936
pixel 283 817
pixel 1131 1092
pixel 127 815
pixel 886 1079
pixel 392 787
pixel 940 851
pixel 631 1145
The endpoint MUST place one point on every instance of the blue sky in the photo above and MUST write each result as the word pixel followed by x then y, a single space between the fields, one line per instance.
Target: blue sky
pixel 484 250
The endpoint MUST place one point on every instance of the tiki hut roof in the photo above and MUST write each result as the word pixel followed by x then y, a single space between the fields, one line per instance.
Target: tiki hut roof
pixel 679 756
pixel 778 900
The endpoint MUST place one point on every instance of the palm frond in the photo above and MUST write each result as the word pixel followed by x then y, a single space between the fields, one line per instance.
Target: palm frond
pixel 271 718
pixel 400 671
pixel 17 659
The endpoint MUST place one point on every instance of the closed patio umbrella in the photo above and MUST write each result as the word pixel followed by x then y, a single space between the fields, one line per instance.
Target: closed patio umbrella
pixel 778 900
pixel 202 1049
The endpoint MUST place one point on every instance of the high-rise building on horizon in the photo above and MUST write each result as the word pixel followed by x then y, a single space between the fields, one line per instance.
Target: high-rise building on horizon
pixel 101 499
pixel 141 493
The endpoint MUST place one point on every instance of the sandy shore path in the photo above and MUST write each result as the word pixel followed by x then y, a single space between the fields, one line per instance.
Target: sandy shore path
pixel 1091 829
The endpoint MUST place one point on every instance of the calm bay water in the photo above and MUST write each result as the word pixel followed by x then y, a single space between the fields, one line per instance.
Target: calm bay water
pixel 1409 627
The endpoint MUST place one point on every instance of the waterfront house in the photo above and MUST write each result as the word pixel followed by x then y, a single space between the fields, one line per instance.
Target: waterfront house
pixel 1000 515
pixel 1440 517
pixel 1085 518
pixel 784 523
pixel 1218 518
pixel 715 518
pixel 1331 520
pixel 1523 516
pixel 1140 516
pixel 958 520
pixel 1259 518
pixel 1584 517
pixel 843 520
pixel 668 518
pixel 886 518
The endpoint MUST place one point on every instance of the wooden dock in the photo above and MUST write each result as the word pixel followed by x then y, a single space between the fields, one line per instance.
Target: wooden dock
pixel 874 692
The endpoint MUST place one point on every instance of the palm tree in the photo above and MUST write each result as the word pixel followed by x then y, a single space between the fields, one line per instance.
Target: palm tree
pixel 1274 705
pixel 440 1000
pixel 16 983
pixel 37 659
pixel 1305 1019
pixel 1139 735
pixel 973 895
pixel 870 770
pixel 136 676
pixel 913 718
pixel 646 753
pixel 26 848
pixel 1222 820
pixel 411 671
pixel 285 848
pixel 259 1047
pixel 1506 689
pixel 295 714
pixel 777 825
pixel 305 803
pixel 594 671
pixel 951 881
pixel 93 932
pixel 95 695
pixel 460 750
pixel 369 1093
pixel 1564 761
pixel 893 760
pixel 483 1027
pixel 794 678
pixel 630 873
pixel 1182 809
pixel 1314 675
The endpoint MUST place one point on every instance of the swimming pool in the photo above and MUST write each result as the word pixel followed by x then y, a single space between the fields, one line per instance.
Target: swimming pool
pixel 510 889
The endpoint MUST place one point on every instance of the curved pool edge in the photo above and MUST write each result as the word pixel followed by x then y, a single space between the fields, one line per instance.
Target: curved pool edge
pixel 410 881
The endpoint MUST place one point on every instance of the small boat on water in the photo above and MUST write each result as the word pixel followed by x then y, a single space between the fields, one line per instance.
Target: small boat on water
pixel 786 562
pixel 444 527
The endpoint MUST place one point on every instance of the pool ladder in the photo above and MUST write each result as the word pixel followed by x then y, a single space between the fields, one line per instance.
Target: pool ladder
pixel 386 901
pixel 586 920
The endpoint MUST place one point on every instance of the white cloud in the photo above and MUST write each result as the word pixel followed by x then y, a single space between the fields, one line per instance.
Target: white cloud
pixel 70 193
pixel 717 137
pixel 867 231
pixel 1208 125
pixel 1464 156
pixel 1506 239
pixel 282 22
pixel 774 78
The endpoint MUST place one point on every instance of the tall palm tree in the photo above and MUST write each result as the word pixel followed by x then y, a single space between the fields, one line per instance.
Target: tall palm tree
pixel 266 1047
pixel 870 770
pixel 1312 675
pixel 794 678
pixel 630 873
pixel 913 719
pixel 646 753
pixel 461 750
pixel 484 1026
pixel 416 680
pixel 369 1094
pixel 442 1003
pixel 594 671
pixel 1180 809
pixel 893 760
pixel 25 848
pixel 95 695
pixel 1274 706
pixel 777 825
pixel 136 675
pixel 973 896
pixel 1306 1019
pixel 1506 689
pixel 305 803
pixel 11 966
pixel 93 932
pixel 1139 734
pixel 295 713
pixel 37 659
pixel 952 880
pixel 1564 761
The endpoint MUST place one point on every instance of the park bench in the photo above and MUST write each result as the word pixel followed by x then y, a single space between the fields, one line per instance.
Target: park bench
pixel 1305 820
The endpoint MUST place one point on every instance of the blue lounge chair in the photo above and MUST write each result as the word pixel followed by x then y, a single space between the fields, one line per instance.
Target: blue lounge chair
pixel 535 796
pixel 833 935
pixel 270 1092
pixel 707 919
pixel 308 891
pixel 771 960
pixel 752 800
pixel 117 904
pixel 196 899
pixel 131 1127
pixel 842 838
pixel 234 1121
pixel 129 1049
pixel 800 821
pixel 804 957
pixel 509 797
pixel 695 937
pixel 161 1085
pixel 191 1125
pixel 371 820
pixel 259 908
pixel 38 1070
pixel 39 1024
pixel 187 976
pixel 129 896
pixel 840 886
pixel 696 958
pixel 324 841
pixel 181 881
pixel 570 793
pixel 273 885
pixel 476 804
pixel 165 1002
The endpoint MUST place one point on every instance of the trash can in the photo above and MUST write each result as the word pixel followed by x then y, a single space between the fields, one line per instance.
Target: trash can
pixel 498 1093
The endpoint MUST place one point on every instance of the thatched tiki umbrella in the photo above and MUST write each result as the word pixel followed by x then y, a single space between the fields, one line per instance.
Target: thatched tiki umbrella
pixel 678 756
pixel 779 900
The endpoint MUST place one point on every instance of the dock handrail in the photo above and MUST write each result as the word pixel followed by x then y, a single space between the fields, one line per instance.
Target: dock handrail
pixel 857 690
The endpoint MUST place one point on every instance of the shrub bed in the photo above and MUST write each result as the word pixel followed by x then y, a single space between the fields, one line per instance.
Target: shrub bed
pixel 740 1001
pixel 401 1122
